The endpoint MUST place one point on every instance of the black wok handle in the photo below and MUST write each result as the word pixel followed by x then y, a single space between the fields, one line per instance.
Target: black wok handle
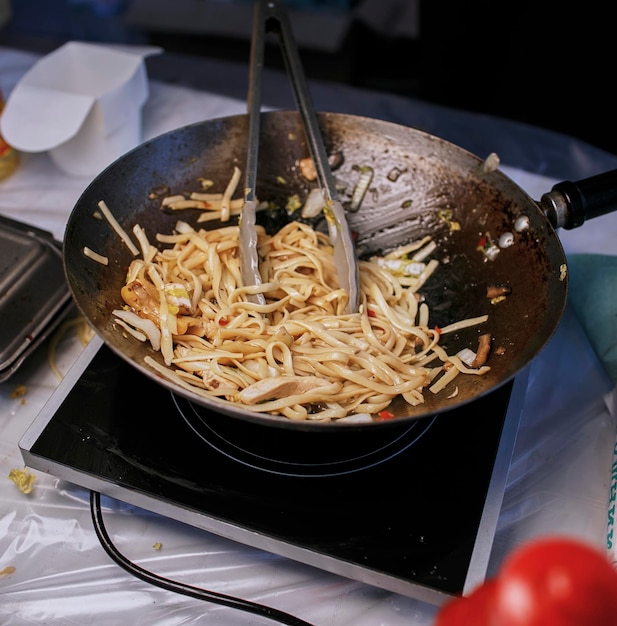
pixel 569 204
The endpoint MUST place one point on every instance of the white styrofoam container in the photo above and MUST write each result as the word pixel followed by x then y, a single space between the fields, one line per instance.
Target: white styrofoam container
pixel 81 103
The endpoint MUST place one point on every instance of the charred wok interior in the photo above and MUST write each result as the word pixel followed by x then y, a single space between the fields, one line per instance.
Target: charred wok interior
pixel 420 185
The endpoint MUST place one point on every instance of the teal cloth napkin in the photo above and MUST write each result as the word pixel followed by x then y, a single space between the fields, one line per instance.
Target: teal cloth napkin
pixel 593 296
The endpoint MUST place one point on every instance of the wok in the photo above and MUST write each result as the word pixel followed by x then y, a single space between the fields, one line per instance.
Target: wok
pixel 418 178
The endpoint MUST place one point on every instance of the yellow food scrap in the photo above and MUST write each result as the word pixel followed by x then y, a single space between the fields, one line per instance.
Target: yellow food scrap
pixel 563 272
pixel 293 203
pixel 84 334
pixel 307 168
pixel 23 479
pixel 19 391
pixel 7 571
pixel 445 215
pixel 158 545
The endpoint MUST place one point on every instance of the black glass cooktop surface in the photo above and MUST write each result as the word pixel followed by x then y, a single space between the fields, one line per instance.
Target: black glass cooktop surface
pixel 400 507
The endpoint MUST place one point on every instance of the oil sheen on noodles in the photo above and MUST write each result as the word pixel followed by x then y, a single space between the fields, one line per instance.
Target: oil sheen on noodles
pixel 299 355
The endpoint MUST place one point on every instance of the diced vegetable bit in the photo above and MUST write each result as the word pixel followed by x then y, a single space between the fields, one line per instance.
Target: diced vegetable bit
pixel 446 215
pixel 382 416
pixel 394 174
pixel 178 299
pixel 476 359
pixel 362 185
pixel 314 203
pixel 402 266
pixel 521 223
pixel 280 180
pixel 491 163
pixel 487 247
pixel 293 203
pixel 506 240
pixel 467 355
pixel 307 169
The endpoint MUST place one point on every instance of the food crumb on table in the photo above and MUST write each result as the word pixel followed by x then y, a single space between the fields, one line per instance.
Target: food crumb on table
pixel 23 479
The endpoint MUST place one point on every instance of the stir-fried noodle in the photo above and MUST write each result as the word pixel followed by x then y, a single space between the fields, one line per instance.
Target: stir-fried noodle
pixel 299 355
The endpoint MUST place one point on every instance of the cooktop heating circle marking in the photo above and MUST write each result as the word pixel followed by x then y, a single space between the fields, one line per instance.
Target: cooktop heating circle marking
pixel 223 444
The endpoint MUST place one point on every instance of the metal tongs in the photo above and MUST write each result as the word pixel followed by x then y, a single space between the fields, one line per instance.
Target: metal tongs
pixel 270 16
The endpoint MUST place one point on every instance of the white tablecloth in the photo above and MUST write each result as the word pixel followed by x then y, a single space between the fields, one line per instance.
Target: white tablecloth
pixel 558 480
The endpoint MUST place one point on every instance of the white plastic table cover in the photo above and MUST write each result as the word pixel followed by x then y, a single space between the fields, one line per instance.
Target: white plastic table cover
pixel 52 567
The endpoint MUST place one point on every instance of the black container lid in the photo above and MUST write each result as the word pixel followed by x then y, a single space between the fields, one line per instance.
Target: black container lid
pixel 34 295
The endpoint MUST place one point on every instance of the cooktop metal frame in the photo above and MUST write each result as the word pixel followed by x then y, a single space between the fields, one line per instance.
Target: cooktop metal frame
pixel 478 565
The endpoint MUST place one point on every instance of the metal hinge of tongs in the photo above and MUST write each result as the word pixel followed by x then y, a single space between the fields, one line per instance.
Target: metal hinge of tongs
pixel 270 16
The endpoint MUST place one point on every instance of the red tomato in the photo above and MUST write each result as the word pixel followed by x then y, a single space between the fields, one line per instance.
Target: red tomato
pixel 555 581
pixel 473 609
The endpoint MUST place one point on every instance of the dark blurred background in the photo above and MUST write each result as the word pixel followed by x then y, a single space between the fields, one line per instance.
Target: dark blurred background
pixel 545 63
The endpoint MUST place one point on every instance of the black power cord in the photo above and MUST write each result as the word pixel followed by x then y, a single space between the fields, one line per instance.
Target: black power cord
pixel 177 587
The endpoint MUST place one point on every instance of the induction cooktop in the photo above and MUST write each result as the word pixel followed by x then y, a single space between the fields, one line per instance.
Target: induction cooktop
pixel 409 508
